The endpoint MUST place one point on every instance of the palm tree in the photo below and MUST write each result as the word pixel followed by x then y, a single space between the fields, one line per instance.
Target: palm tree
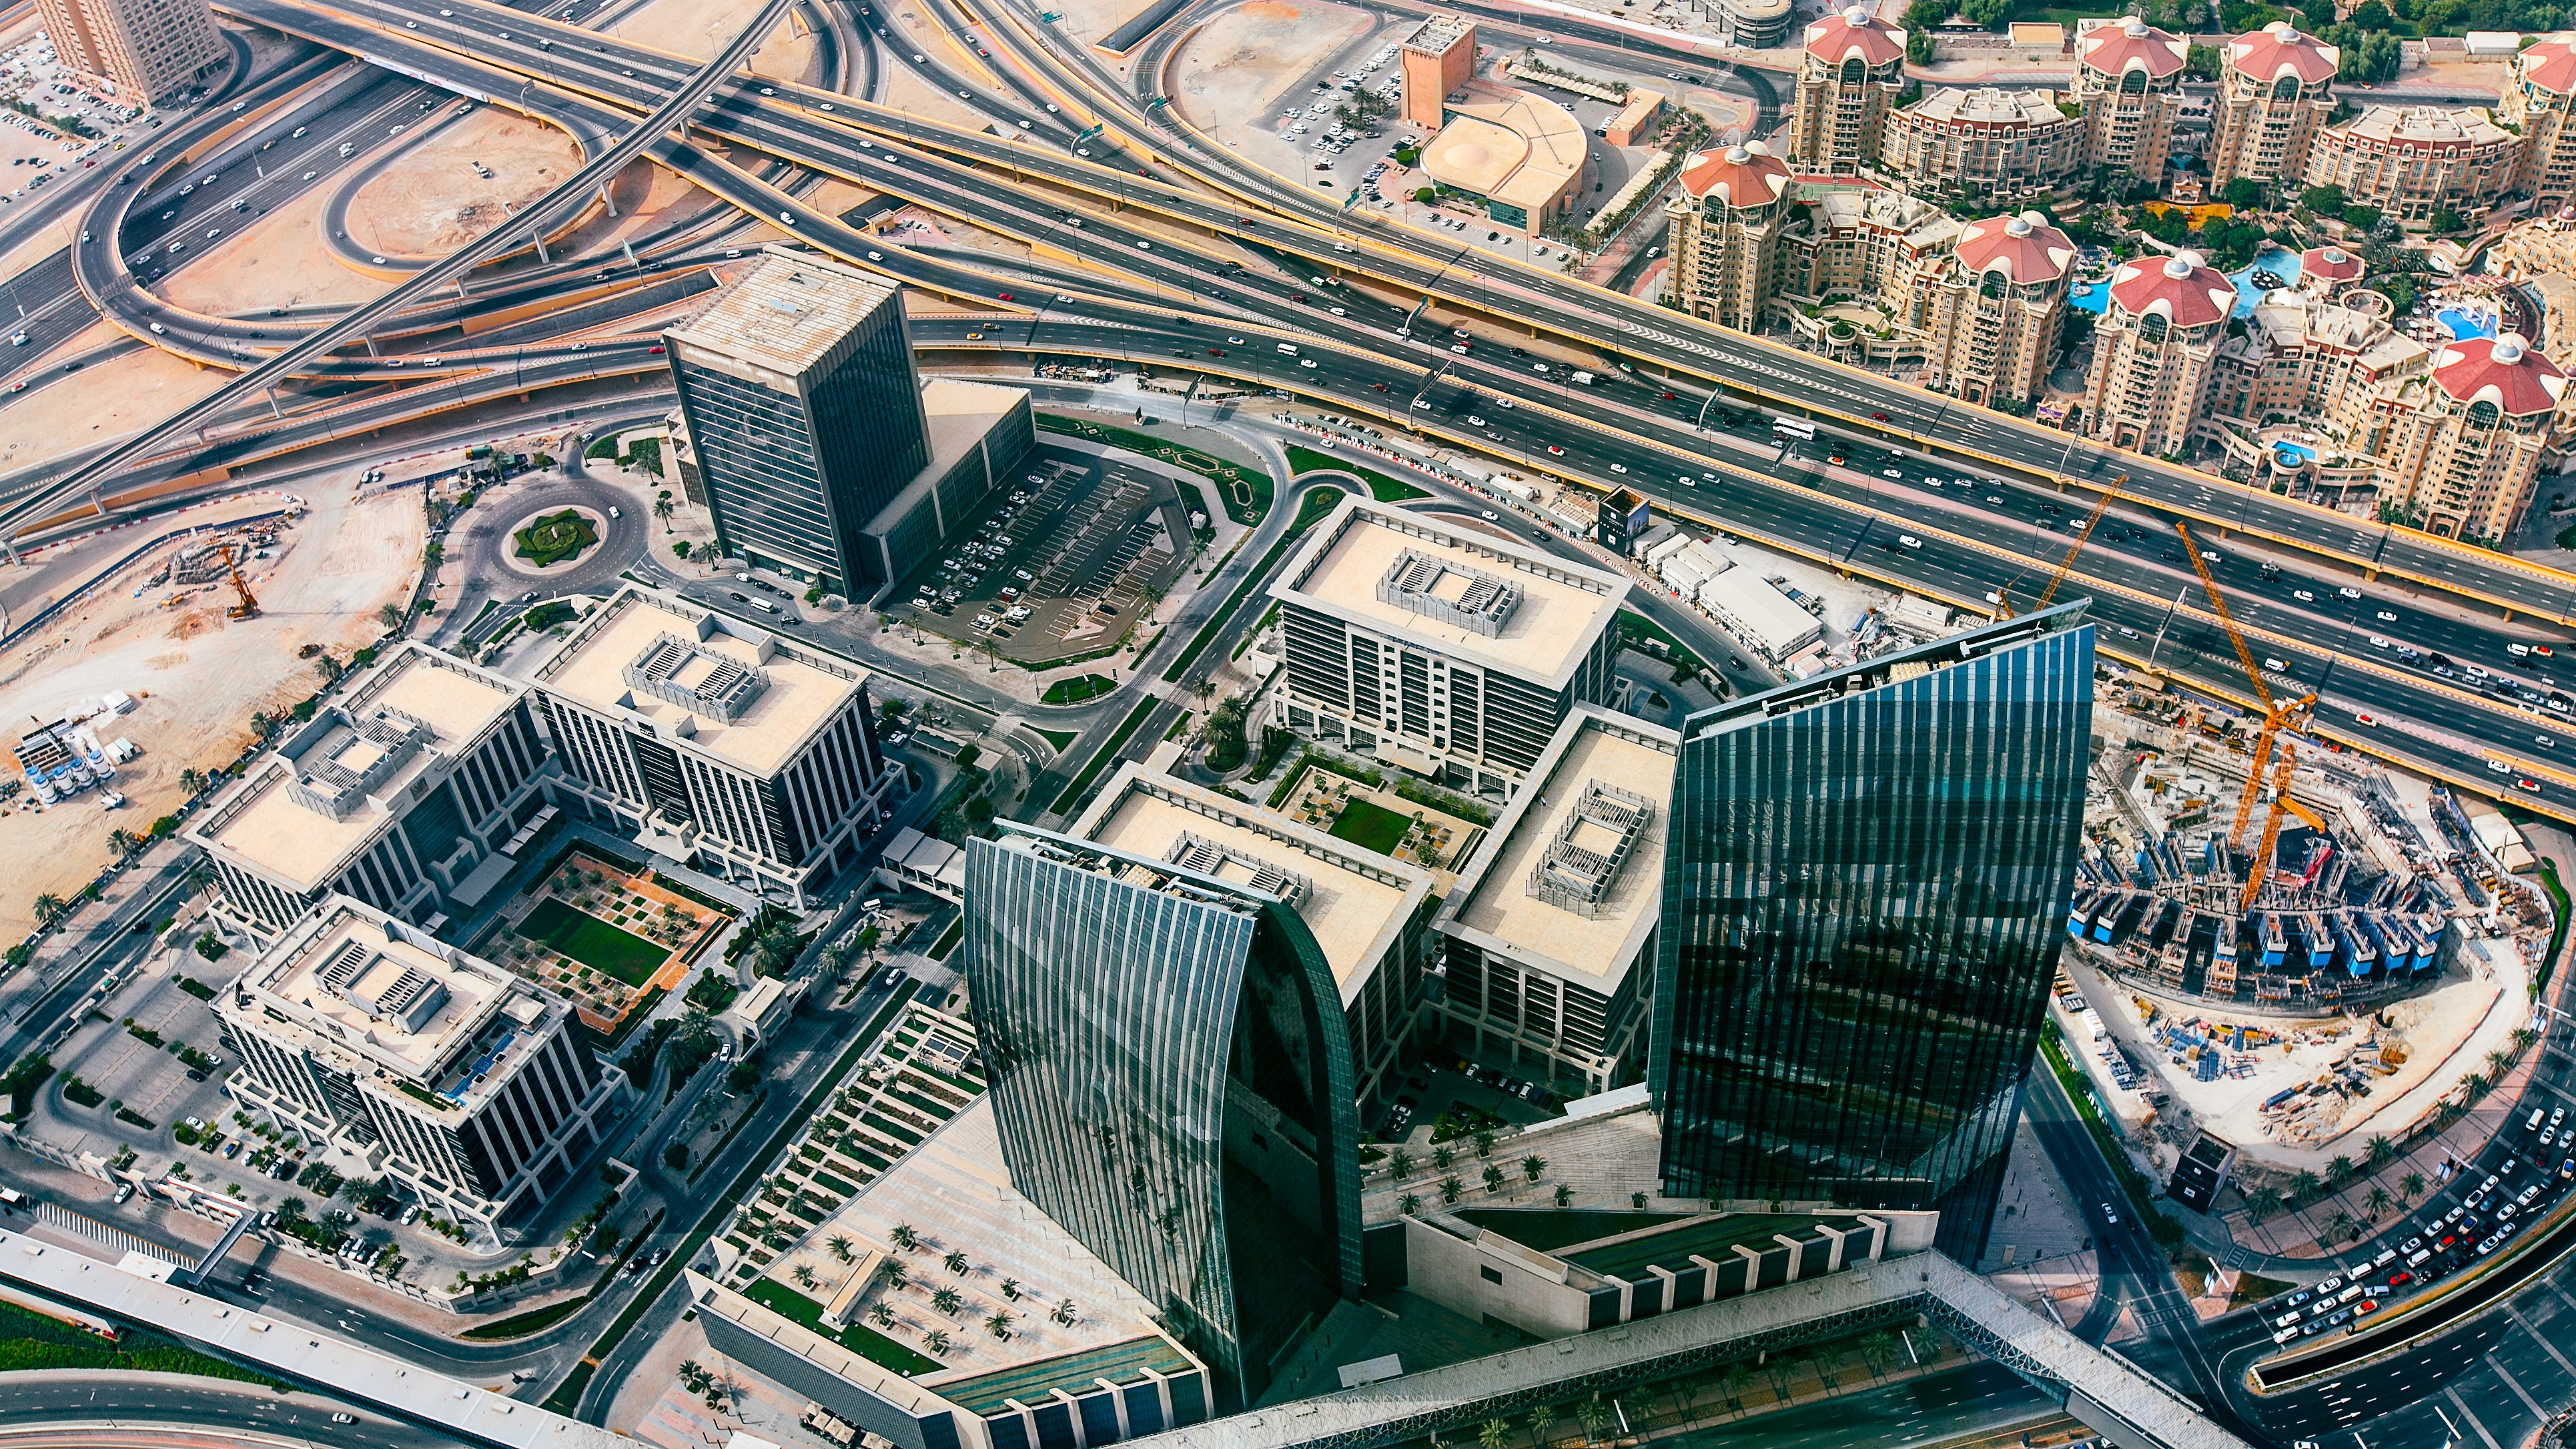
pixel 1494 1435
pixel 1564 1195
pixel 1450 1190
pixel 1443 1158
pixel 999 1325
pixel 191 781
pixel 1063 1313
pixel 2265 1201
pixel 1875 1348
pixel 956 1261
pixel 2380 1151
pixel 1493 1178
pixel 50 908
pixel 1399 1164
pixel 662 511
pixel 1533 1166
pixel 1736 1378
pixel 946 1301
pixel 803 1275
pixel 2305 1184
pixel 2523 1037
pixel 904 1237
pixel 1541 1420
pixel 2500 1059
pixel 935 1343
pixel 2378 1200
pixel 838 1245
pixel 1410 1205
pixel 1484 1140
pixel 2339 1171
pixel 125 843
pixel 891 1270
pixel 2410 1187
pixel 1011 1289
pixel 1595 1418
pixel 2338 1222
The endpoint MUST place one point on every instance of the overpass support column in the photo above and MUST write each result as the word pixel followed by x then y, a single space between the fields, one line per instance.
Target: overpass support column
pixel 603 186
pixel 539 238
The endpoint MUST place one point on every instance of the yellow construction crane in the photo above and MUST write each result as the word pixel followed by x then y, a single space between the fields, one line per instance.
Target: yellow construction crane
pixel 248 608
pixel 2278 719
pixel 2066 565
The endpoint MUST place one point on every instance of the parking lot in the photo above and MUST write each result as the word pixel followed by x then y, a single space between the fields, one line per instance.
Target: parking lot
pixel 1060 565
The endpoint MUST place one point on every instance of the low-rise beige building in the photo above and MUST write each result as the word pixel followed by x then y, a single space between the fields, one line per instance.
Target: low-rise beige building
pixel 2414 161
pixel 1985 145
pixel 2128 78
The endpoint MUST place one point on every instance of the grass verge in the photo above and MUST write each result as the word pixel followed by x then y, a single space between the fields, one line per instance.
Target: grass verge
pixel 1246 490
pixel 1381 487
pixel 1135 720
pixel 566 1397
pixel 2142 1194
pixel 2558 932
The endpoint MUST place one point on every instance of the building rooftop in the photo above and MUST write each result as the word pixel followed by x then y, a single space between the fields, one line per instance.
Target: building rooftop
pixel 1357 904
pixel 2184 288
pixel 1571 876
pixel 2425 128
pixel 763 696
pixel 2501 370
pixel 2025 248
pixel 2330 264
pixel 1746 175
pixel 1436 34
pixel 2116 47
pixel 1507 145
pixel 2550 65
pixel 1855 32
pixel 330 789
pixel 1987 106
pixel 959 415
pixel 2280 49
pixel 786 312
pixel 1559 608
pixel 373 987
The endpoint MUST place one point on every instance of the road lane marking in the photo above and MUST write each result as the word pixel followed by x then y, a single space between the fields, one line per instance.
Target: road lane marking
pixel 2453 1394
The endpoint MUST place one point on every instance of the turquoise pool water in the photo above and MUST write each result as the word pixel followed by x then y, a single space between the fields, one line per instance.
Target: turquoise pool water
pixel 2091 296
pixel 2464 324
pixel 2284 265
pixel 2300 451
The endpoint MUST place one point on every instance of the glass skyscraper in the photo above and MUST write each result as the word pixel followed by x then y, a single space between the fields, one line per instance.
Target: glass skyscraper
pixel 803 412
pixel 1171 1078
pixel 1863 893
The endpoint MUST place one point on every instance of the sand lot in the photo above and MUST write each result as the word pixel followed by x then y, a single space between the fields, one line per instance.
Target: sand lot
pixel 1233 72
pixel 197 676
pixel 101 403
pixel 700 28
pixel 431 201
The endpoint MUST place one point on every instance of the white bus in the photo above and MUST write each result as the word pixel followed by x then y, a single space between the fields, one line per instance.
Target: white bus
pixel 1798 428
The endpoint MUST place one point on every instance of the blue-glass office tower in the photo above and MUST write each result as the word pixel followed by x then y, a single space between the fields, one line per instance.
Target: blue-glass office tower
pixel 1864 893
pixel 803 412
pixel 1171 1078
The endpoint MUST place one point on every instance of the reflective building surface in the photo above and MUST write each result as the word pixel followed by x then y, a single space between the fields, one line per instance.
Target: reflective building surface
pixel 1171 1079
pixel 1860 923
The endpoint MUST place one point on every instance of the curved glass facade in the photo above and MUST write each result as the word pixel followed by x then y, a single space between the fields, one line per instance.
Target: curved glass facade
pixel 1863 895
pixel 1171 1078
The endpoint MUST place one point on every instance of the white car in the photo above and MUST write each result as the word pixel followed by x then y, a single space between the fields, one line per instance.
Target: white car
pixel 2110 1215
pixel 1618 467
pixel 2377 642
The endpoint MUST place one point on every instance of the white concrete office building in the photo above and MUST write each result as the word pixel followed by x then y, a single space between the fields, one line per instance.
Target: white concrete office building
pixel 401 788
pixel 1438 647
pixel 743 753
pixel 1547 940
pixel 464 1084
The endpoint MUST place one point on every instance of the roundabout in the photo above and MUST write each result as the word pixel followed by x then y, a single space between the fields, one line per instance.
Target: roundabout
pixel 549 543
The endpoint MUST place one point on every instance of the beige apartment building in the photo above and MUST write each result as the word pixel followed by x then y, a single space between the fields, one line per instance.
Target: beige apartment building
pixel 1725 220
pixel 2414 161
pixel 2538 104
pixel 2153 352
pixel 141 52
pixel 1994 314
pixel 2274 95
pixel 1848 80
pixel 2128 78
pixel 1986 144
pixel 2467 453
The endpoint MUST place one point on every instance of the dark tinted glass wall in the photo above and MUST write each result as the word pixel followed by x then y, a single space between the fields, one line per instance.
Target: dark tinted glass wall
pixel 1171 1080
pixel 1862 903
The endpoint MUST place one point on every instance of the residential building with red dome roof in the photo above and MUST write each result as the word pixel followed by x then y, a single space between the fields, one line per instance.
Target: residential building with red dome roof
pixel 2538 103
pixel 1725 221
pixel 1996 311
pixel 2483 414
pixel 2274 94
pixel 1848 80
pixel 2153 350
pixel 2128 79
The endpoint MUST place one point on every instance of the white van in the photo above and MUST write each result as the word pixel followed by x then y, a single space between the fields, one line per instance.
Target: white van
pixel 1287 350
pixel 764 606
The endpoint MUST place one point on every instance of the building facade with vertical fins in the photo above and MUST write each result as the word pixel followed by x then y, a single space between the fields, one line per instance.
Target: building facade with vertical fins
pixel 467 1086
pixel 1172 1083
pixel 1862 911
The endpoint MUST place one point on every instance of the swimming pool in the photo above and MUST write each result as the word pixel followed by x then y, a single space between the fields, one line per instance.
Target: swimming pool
pixel 2300 451
pixel 2091 296
pixel 2249 294
pixel 2464 324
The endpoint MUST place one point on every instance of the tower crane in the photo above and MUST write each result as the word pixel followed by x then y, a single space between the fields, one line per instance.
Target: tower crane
pixel 2066 565
pixel 2278 719
pixel 248 608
